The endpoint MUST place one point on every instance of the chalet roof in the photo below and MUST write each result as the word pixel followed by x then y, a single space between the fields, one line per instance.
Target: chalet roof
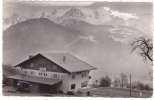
pixel 67 61
pixel 41 80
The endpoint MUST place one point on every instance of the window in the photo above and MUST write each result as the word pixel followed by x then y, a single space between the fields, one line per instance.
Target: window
pixel 84 84
pixel 31 64
pixel 43 65
pixel 40 65
pixel 54 67
pixel 73 86
pixel 55 76
pixel 32 73
pixel 25 72
pixel 43 74
pixel 73 76
pixel 42 69
pixel 83 75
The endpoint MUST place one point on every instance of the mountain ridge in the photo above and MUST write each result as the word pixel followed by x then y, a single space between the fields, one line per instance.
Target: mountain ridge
pixel 98 16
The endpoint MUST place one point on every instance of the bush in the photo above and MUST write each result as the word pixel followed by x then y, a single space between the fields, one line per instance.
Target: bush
pixel 60 91
pixel 147 87
pixel 9 70
pixel 70 93
pixel 105 81
pixel 7 81
pixel 94 85
pixel 142 86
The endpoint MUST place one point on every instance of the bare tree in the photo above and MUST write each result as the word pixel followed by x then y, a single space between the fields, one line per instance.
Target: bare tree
pixel 117 82
pixel 144 48
pixel 124 80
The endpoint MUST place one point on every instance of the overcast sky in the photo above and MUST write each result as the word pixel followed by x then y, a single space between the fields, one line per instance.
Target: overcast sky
pixel 130 7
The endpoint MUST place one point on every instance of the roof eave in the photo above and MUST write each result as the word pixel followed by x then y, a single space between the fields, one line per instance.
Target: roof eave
pixel 26 60
pixel 94 68
pixel 83 70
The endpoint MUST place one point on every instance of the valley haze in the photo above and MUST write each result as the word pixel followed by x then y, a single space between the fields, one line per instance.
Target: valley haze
pixel 96 32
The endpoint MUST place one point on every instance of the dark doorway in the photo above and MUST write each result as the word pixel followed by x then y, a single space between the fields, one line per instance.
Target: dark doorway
pixel 48 88
pixel 53 88
pixel 44 88
pixel 15 83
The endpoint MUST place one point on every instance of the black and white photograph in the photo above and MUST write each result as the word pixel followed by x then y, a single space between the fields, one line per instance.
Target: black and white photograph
pixel 77 49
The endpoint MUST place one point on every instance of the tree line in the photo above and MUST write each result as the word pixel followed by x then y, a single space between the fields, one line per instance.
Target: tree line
pixel 120 82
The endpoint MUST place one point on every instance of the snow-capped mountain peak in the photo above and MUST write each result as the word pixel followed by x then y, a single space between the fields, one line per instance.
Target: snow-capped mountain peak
pixel 74 13
pixel 70 17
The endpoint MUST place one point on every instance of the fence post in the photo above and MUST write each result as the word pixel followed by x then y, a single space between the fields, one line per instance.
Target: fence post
pixel 130 86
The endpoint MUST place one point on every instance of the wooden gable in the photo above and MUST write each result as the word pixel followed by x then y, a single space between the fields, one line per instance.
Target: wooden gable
pixel 40 62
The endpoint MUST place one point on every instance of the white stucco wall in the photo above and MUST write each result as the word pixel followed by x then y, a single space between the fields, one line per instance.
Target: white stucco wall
pixel 63 76
pixel 65 84
pixel 78 80
pixel 67 80
pixel 49 74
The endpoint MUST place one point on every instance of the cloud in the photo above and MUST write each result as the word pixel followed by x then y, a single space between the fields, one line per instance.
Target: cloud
pixel 122 31
pixel 59 3
pixel 90 38
pixel 124 16
pixel 121 15
pixel 122 40
pixel 106 8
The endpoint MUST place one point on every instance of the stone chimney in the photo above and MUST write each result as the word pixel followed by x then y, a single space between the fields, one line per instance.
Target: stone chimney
pixel 64 59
